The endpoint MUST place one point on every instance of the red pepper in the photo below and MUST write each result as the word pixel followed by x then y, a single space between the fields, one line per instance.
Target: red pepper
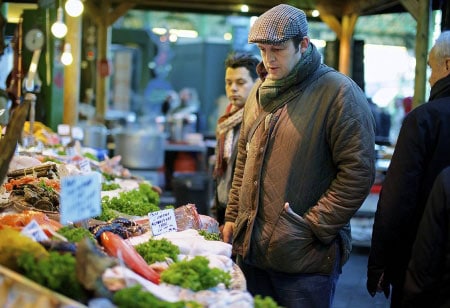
pixel 113 243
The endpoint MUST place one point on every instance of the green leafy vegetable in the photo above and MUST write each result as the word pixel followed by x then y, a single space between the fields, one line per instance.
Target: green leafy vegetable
pixel 209 236
pixel 74 234
pixel 56 272
pixel 137 202
pixel 107 213
pixel 195 274
pixel 109 186
pixel 264 302
pixel 136 297
pixel 108 177
pixel 44 186
pixel 90 156
pixel 158 250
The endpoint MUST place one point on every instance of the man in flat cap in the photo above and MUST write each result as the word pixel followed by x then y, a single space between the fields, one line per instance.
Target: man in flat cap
pixel 305 164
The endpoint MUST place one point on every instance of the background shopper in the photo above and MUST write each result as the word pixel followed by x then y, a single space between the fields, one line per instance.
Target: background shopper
pixel 421 152
pixel 240 76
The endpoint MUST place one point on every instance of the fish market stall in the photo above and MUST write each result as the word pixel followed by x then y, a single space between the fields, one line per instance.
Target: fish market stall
pixel 76 230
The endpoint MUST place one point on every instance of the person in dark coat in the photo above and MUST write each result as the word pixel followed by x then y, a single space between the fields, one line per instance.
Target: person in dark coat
pixel 421 152
pixel 427 282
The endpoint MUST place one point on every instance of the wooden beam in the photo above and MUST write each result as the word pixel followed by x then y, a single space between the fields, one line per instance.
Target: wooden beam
pixel 119 11
pixel 93 10
pixel 413 7
pixel 333 23
pixel 345 48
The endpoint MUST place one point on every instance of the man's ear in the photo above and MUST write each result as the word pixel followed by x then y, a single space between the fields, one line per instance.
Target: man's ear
pixel 304 44
pixel 447 64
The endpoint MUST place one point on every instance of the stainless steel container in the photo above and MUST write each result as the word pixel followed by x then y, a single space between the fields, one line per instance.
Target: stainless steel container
pixel 140 149
pixel 95 135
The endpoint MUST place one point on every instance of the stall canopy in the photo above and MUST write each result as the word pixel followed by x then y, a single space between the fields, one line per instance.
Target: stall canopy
pixel 340 16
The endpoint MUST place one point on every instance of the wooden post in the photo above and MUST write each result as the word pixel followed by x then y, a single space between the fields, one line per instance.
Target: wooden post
pixel 346 43
pixel 72 72
pixel 103 43
pixel 421 11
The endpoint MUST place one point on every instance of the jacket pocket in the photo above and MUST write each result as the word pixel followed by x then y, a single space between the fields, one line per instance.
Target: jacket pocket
pixel 239 231
pixel 294 248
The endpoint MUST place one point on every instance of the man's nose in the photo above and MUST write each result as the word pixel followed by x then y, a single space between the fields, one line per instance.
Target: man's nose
pixel 270 56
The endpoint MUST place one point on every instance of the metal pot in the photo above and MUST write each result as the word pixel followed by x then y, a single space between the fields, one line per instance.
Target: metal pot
pixel 141 149
pixel 95 136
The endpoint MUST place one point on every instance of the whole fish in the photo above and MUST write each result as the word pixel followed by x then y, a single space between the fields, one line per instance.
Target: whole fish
pixel 113 244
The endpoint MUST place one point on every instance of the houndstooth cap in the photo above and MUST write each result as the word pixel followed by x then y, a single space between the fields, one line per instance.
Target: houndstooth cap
pixel 278 25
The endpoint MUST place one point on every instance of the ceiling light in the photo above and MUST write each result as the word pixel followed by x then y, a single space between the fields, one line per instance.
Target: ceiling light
pixel 315 13
pixel 227 36
pixel 66 57
pixel 173 38
pixel 244 8
pixel 74 7
pixel 159 31
pixel 59 29
pixel 184 33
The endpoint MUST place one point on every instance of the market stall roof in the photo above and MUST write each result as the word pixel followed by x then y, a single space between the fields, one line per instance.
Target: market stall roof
pixel 256 7
pixel 340 16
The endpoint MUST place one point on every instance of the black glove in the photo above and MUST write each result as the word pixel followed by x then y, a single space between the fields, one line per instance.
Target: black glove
pixel 377 282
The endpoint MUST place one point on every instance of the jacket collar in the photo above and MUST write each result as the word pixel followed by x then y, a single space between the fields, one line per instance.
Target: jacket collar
pixel 440 89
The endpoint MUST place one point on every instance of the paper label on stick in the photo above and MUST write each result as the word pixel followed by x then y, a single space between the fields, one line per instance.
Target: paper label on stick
pixel 80 197
pixel 162 221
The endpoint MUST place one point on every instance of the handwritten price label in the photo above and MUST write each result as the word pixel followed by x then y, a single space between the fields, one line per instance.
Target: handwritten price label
pixel 162 221
pixel 80 197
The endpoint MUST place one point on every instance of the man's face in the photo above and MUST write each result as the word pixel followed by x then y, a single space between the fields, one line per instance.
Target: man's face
pixel 439 67
pixel 238 83
pixel 279 60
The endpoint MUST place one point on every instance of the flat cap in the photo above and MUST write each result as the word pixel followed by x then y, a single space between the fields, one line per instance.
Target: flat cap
pixel 279 24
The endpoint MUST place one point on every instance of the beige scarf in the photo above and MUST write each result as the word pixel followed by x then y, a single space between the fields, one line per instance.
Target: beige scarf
pixel 225 136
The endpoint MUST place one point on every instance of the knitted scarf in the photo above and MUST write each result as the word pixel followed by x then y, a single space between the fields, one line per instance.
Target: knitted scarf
pixel 225 136
pixel 271 91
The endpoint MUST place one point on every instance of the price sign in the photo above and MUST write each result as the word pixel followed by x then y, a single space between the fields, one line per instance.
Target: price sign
pixel 63 129
pixel 80 197
pixel 162 221
pixel 84 165
pixel 34 231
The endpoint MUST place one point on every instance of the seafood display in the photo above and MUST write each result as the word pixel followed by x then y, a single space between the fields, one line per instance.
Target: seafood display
pixel 124 227
pixel 103 258
pixel 115 246
pixel 20 220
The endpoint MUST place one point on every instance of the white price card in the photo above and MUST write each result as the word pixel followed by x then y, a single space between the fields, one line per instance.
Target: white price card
pixel 162 221
pixel 63 129
pixel 34 231
pixel 80 197
pixel 84 165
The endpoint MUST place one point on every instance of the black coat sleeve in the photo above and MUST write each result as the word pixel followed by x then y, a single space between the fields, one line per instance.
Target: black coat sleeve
pixel 427 269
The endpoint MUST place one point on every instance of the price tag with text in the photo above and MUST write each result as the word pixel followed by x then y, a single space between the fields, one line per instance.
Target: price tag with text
pixel 80 197
pixel 162 221
pixel 34 231
pixel 63 129
pixel 84 165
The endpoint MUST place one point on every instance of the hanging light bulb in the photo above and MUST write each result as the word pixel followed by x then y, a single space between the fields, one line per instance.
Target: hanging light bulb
pixel 74 7
pixel 59 29
pixel 66 57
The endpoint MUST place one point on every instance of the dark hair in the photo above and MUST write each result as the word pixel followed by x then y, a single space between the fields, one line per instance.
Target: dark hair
pixel 297 40
pixel 240 59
